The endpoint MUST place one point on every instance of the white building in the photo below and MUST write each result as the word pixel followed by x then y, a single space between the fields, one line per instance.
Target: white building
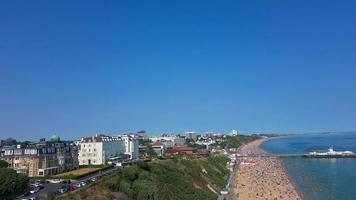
pixel 98 150
pixel 234 132
pixel 131 146
pixel 159 138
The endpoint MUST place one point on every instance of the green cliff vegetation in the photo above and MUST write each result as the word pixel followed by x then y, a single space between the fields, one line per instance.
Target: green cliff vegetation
pixel 237 141
pixel 171 179
pixel 11 184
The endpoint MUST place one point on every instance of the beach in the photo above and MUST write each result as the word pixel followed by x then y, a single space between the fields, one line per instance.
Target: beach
pixel 258 177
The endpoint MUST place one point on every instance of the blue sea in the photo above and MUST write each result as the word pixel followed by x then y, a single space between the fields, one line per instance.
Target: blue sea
pixel 319 179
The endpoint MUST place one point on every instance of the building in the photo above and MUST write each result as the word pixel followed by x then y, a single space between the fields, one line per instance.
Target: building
pixel 234 132
pixel 131 146
pixel 169 140
pixel 8 142
pixel 186 151
pixel 163 138
pixel 205 142
pixel 101 149
pixel 142 135
pixel 159 149
pixel 180 151
pixel 42 158
pixel 191 136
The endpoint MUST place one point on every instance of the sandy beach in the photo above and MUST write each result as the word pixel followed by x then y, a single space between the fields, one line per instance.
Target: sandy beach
pixel 260 177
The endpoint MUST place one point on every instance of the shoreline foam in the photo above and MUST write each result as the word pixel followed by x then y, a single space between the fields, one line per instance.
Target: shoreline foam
pixel 261 177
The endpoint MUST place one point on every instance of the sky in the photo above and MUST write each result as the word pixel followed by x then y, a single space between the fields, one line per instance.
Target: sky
pixel 77 68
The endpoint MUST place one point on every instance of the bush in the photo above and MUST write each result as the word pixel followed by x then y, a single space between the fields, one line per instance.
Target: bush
pixel 130 173
pixel 3 164
pixel 125 187
pixel 82 194
pixel 143 165
pixel 51 196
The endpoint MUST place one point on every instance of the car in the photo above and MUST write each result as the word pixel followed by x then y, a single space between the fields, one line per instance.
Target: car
pixel 32 198
pixel 36 184
pixel 78 185
pixel 62 190
pixel 24 194
pixel 34 190
pixel 55 181
pixel 93 179
pixel 83 183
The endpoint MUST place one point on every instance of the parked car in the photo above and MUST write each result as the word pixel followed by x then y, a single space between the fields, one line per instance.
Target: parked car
pixel 34 190
pixel 36 184
pixel 55 181
pixel 78 185
pixel 62 190
pixel 72 186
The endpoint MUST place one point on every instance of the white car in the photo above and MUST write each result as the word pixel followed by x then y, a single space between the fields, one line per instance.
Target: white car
pixel 55 181
pixel 34 190
pixel 78 185
pixel 36 184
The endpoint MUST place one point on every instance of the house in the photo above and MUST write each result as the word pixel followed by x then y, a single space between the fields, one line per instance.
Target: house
pixel 159 148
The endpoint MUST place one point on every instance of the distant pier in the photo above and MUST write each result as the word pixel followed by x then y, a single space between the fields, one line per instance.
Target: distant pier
pixel 331 156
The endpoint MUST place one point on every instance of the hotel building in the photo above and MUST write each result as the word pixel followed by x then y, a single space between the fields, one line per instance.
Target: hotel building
pixel 101 149
pixel 42 158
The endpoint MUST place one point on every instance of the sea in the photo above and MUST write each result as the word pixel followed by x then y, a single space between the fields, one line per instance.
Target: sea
pixel 322 178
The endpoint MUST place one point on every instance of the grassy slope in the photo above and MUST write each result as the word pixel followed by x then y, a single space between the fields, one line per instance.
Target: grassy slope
pixel 163 179
pixel 172 179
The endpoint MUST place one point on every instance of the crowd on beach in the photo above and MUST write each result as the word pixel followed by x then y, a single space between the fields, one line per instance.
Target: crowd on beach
pixel 260 176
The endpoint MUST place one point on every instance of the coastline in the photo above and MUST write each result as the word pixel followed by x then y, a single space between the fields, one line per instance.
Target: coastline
pixel 259 177
pixel 301 195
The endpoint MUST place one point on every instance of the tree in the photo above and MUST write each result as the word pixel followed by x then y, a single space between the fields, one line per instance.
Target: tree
pixel 3 164
pixel 11 184
pixel 144 142
pixel 150 152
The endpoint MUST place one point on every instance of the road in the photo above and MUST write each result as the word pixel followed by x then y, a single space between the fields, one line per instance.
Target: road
pixel 53 187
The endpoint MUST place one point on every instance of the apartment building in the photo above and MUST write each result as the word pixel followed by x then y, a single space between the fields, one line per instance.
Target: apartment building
pixel 131 146
pixel 99 149
pixel 42 158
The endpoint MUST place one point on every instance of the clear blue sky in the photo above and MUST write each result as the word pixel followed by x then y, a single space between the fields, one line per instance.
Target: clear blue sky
pixel 78 68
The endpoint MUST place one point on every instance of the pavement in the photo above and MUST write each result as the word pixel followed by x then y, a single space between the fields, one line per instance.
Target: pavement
pixel 52 188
